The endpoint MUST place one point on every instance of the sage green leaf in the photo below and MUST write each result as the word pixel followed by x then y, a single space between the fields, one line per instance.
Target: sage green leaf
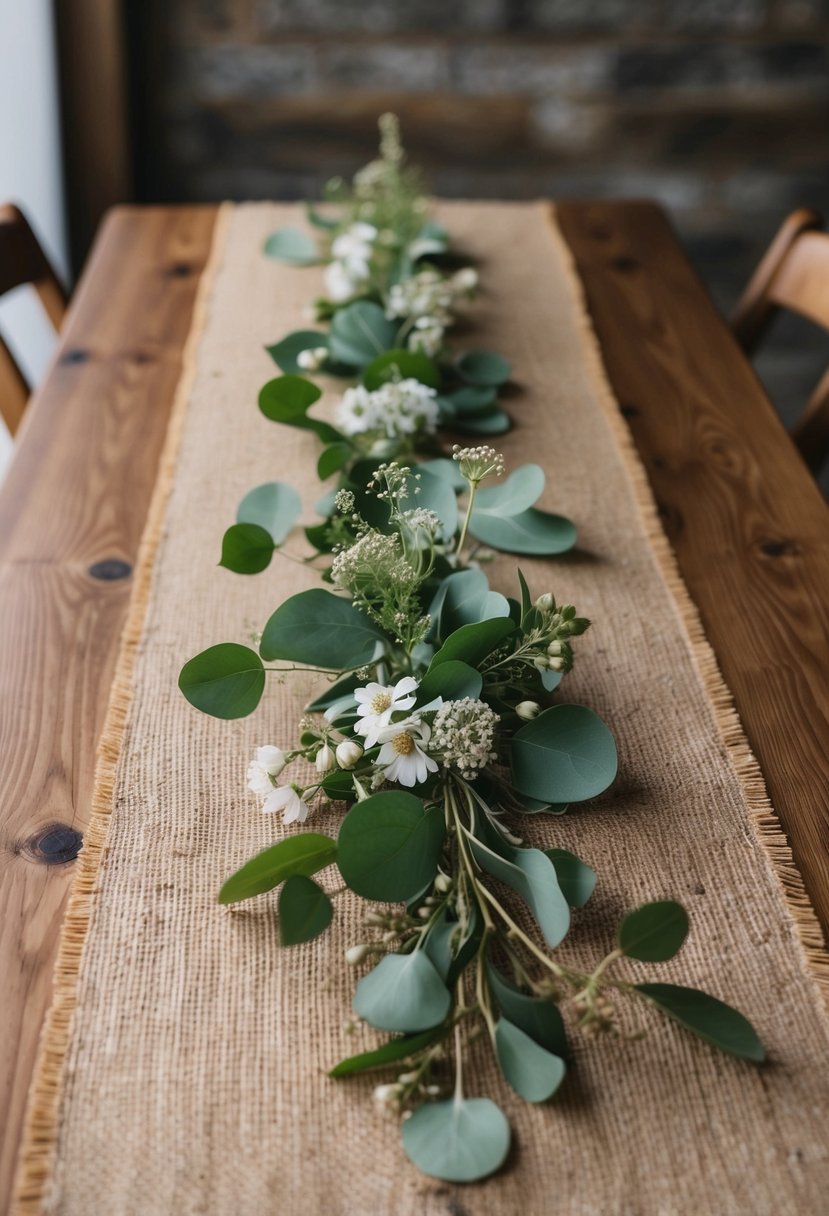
pixel 226 681
pixel 472 643
pixel 483 367
pixel 576 879
pixel 540 1019
pixel 654 932
pixel 274 506
pixel 493 422
pixel 320 629
pixel 446 469
pixel 390 1053
pixel 287 399
pixel 532 532
pixel 453 681
pixel 534 1074
pixel 450 948
pixel 461 1140
pixel 327 222
pixel 437 495
pixel 511 497
pixel 389 846
pixel 708 1018
pixel 360 332
pixel 332 459
pixel 304 910
pixel 404 992
pixel 305 854
pixel 246 549
pixel 532 875
pixel 292 245
pixel 566 754
pixel 467 599
pixel 284 353
pixel 472 399
pixel 403 365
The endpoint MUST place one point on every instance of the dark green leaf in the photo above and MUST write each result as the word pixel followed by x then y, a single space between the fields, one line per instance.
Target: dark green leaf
pixel 320 629
pixel 534 1074
pixel 708 1018
pixel 246 549
pixel 453 681
pixel 566 754
pixel 403 365
pixel 333 458
pixel 493 422
pixel 537 1017
pixel 460 1140
pixel 292 245
pixel 404 992
pixel 284 353
pixel 390 1053
pixel 305 854
pixel 472 643
pixel 654 932
pixel 471 399
pixel 305 910
pixel 483 367
pixel 389 846
pixel 226 681
pixel 274 506
pixel 288 398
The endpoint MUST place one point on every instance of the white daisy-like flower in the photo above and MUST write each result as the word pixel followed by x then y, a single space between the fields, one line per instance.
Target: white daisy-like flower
pixel 285 799
pixel 377 702
pixel 268 763
pixel 402 757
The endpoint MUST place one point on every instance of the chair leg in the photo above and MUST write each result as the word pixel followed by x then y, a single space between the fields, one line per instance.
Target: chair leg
pixel 811 431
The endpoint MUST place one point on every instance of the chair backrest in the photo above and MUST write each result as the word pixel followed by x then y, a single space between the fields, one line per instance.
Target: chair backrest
pixel 793 274
pixel 23 261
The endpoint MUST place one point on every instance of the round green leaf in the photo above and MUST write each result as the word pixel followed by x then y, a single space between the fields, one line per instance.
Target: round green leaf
pixel 287 399
pixel 305 854
pixel 446 469
pixel 708 1018
pixel 284 353
pixel 538 1018
pixel 532 532
pixel 389 846
pixel 405 364
pixel 360 332
pixel 472 399
pixel 472 643
pixel 576 879
pixel 304 910
pixel 292 245
pixel 493 422
pixel 566 754
pixel 654 932
pixel 226 681
pixel 321 629
pixel 453 681
pixel 274 506
pixel 404 992
pixel 518 493
pixel 462 1140
pixel 483 367
pixel 534 1074
pixel 246 549
pixel 332 459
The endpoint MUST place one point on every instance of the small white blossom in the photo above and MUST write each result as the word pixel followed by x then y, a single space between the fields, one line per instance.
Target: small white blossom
pixel 342 284
pixel 267 764
pixel 285 799
pixel 348 753
pixel 324 760
pixel 528 710
pixel 356 954
pixel 402 756
pixel 387 1098
pixel 311 360
pixel 377 702
pixel 464 733
pixel 545 602
pixel 465 281
pixel 354 247
pixel 401 407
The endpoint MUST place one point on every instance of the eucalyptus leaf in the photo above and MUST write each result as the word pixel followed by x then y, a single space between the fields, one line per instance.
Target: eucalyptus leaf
pixel 320 629
pixel 460 1140
pixel 520 491
pixel 447 470
pixel 292 245
pixel 532 875
pixel 390 1053
pixel 532 532
pixel 333 458
pixel 404 992
pixel 493 422
pixel 284 353
pixel 226 681
pixel 389 846
pixel 654 932
pixel 483 367
pixel 453 681
pixel 534 1074
pixel 566 754
pixel 304 910
pixel 287 399
pixel 472 399
pixel 305 854
pixel 466 600
pixel 539 1018
pixel 707 1017
pixel 274 506
pixel 329 223
pixel 246 549
pixel 360 332
pixel 402 364
pixel 472 643
pixel 576 879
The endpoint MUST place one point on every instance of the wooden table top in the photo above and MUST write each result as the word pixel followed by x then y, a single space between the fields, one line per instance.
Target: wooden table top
pixel 749 526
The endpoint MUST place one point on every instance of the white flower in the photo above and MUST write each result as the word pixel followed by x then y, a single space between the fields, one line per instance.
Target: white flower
pixel 376 703
pixel 427 337
pixel 528 710
pixel 356 954
pixel 285 798
pixel 354 248
pixel 465 281
pixel 401 757
pixel 464 735
pixel 348 753
pixel 312 360
pixel 387 1098
pixel 397 408
pixel 324 760
pixel 340 283
pixel 268 762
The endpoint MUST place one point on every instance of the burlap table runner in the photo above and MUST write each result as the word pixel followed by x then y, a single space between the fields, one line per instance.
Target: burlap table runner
pixel 184 1060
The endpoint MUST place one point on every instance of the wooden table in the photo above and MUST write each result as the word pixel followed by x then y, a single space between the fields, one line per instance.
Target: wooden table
pixel 750 528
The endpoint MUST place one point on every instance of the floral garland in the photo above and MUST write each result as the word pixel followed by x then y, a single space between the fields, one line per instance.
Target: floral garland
pixel 437 729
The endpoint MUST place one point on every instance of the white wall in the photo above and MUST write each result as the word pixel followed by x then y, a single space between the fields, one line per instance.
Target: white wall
pixel 30 169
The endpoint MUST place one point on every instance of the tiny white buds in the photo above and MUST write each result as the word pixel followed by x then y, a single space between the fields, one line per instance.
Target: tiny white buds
pixel 324 761
pixel 443 883
pixel 356 954
pixel 554 649
pixel 465 279
pixel 528 710
pixel 545 602
pixel 555 664
pixel 348 753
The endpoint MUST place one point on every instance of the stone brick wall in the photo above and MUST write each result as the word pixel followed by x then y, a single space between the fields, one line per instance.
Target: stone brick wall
pixel 718 108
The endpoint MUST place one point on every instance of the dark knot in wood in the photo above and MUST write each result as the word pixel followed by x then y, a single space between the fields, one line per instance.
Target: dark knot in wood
pixel 54 844
pixel 110 569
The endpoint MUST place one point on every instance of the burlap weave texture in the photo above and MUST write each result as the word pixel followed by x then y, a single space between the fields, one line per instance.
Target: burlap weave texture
pixel 194 1079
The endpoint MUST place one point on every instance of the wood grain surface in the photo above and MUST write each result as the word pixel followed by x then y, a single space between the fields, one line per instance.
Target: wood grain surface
pixel 72 510
pixel 750 528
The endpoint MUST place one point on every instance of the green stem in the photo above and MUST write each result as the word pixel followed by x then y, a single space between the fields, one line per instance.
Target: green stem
pixel 473 487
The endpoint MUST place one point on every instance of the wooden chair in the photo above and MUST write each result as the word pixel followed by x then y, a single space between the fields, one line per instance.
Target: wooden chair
pixel 23 261
pixel 793 274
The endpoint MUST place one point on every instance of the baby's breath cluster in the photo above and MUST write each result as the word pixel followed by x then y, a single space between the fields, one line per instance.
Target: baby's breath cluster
pixel 464 733
pixel 478 463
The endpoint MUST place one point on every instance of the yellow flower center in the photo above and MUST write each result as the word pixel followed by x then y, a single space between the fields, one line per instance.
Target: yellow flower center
pixel 403 744
pixel 380 702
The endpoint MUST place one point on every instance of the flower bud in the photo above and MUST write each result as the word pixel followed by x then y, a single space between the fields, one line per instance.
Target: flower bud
pixel 528 710
pixel 554 649
pixel 545 602
pixel 348 753
pixel 443 883
pixel 325 759
pixel 356 954
pixel 555 664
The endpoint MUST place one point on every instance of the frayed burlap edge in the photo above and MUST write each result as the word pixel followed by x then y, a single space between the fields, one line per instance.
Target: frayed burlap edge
pixel 42 1124
pixel 749 773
